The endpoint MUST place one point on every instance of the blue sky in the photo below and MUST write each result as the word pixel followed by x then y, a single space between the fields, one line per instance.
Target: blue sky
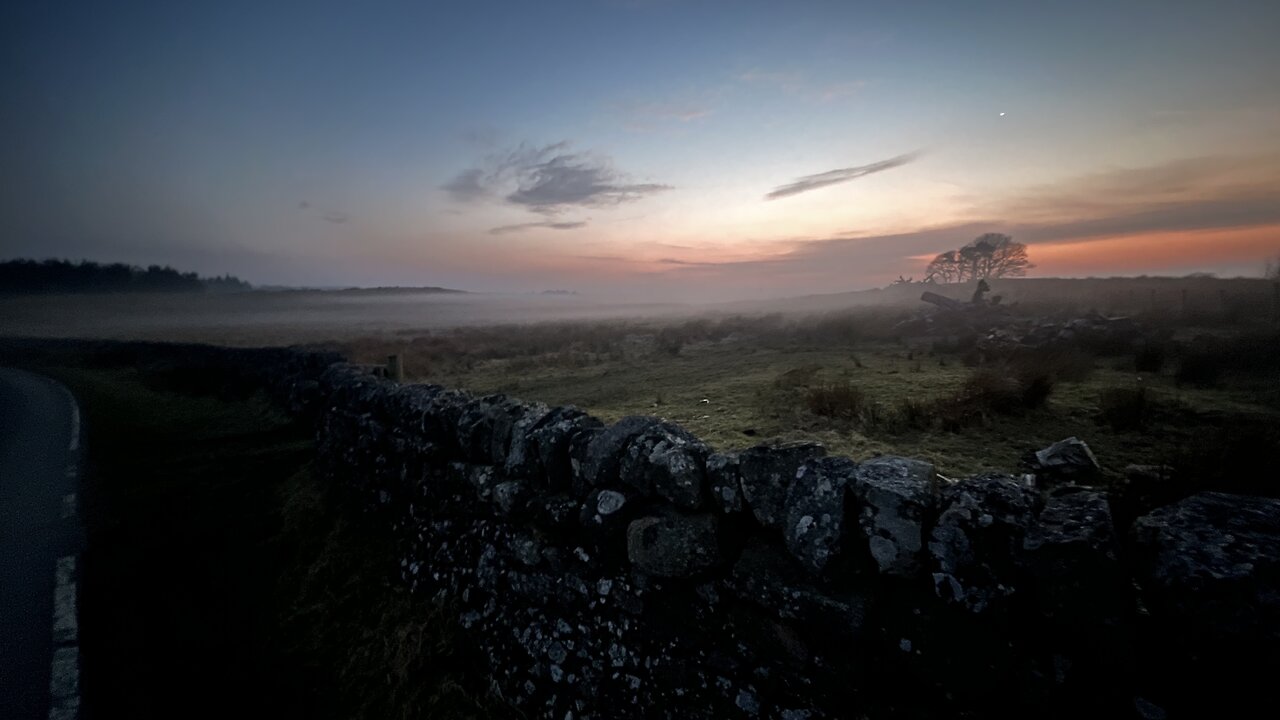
pixel 630 146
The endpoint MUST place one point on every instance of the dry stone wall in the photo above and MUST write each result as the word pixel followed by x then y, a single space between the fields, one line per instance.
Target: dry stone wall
pixel 628 570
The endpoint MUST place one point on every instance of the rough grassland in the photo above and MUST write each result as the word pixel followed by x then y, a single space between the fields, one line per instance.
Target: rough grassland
pixel 755 394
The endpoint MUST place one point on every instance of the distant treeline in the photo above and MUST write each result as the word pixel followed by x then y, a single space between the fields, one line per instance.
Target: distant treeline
pixel 64 276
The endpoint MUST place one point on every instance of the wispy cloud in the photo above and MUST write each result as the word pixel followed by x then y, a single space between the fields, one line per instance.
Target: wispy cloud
pixel 467 186
pixel 519 227
pixel 834 177
pixel 549 180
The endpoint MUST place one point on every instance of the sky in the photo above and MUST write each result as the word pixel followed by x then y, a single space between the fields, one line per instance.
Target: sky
pixel 654 149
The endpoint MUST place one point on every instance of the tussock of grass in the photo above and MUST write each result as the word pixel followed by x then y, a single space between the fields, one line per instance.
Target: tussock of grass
pixel 836 400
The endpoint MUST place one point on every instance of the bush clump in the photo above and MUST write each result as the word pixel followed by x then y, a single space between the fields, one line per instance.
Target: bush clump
pixel 836 400
pixel 1124 408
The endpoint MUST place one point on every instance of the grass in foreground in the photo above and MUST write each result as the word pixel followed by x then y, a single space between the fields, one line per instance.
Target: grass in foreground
pixel 222 580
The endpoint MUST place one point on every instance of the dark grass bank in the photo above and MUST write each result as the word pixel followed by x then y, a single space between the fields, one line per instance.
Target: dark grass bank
pixel 222 580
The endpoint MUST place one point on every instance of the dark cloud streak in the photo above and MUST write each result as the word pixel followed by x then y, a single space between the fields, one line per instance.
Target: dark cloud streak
pixel 834 177
pixel 519 227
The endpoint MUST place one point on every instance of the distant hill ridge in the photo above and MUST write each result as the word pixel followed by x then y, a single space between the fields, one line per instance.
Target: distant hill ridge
pixel 34 277
pixel 46 277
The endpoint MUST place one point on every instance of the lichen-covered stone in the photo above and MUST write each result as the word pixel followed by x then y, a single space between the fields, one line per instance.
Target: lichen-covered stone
pixel 895 498
pixel 521 458
pixel 549 443
pixel 977 542
pixel 766 576
pixel 673 545
pixel 602 457
pixel 724 482
pixel 766 472
pixel 484 428
pixel 604 517
pixel 815 510
pixel 1210 566
pixel 667 461
pixel 1074 556
pixel 510 497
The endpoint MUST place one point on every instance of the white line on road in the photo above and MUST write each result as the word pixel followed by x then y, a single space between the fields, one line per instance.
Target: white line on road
pixel 75 426
pixel 64 681
pixel 65 625
pixel 68 506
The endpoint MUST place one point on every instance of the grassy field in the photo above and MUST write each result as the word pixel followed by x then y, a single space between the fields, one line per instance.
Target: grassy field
pixel 739 392
pixel 221 579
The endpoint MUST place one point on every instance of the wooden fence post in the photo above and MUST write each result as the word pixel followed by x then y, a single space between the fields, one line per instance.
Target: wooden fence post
pixel 395 369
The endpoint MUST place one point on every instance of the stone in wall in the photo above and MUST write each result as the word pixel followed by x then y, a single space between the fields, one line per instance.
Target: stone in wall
pixel 1211 564
pixel 551 440
pixel 600 459
pixel 724 482
pixel 521 457
pixel 604 517
pixel 977 543
pixel 673 545
pixel 766 576
pixel 766 472
pixel 895 498
pixel 667 461
pixel 815 511
pixel 484 428
pixel 1073 554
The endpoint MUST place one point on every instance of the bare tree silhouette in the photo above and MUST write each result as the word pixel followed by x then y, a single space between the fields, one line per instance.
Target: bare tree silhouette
pixel 991 255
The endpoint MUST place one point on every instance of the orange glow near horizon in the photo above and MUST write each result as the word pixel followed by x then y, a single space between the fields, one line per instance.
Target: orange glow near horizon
pixel 1152 252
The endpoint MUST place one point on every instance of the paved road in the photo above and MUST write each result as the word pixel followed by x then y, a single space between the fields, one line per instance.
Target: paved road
pixel 40 540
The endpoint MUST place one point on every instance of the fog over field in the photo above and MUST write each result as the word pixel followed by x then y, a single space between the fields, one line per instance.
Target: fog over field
pixel 285 317
pixel 282 317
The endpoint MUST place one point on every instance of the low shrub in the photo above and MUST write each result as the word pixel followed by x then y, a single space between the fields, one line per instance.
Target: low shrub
pixel 1124 408
pixel 992 388
pixel 916 413
pixel 1009 388
pixel 836 400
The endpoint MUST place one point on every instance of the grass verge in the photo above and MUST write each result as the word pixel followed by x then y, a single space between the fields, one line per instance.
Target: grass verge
pixel 221 579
